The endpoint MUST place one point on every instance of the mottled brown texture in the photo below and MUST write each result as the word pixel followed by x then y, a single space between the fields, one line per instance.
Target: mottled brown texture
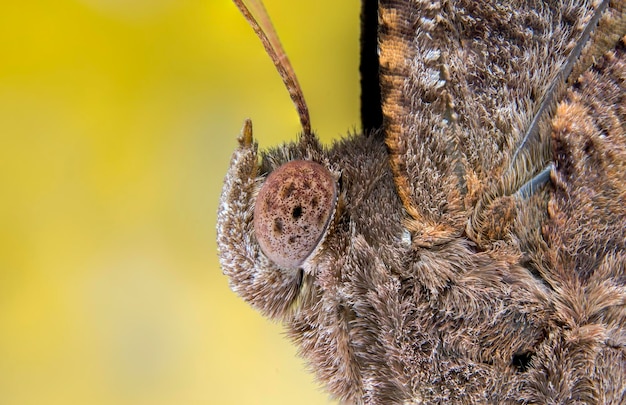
pixel 292 211
pixel 438 279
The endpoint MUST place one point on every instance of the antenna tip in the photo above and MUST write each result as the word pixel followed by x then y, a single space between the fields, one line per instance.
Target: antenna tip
pixel 245 138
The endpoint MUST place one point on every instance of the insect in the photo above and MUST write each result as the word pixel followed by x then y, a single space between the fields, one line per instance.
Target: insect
pixel 468 246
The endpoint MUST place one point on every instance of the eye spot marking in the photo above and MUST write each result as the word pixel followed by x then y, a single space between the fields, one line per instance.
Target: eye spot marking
pixel 278 225
pixel 293 210
pixel 286 191
pixel 297 212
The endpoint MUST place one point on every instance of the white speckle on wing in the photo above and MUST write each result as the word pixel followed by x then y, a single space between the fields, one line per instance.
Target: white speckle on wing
pixel 432 55
pixel 406 237
pixel 427 23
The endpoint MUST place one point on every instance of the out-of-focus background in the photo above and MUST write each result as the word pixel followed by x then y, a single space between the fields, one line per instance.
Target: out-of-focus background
pixel 117 121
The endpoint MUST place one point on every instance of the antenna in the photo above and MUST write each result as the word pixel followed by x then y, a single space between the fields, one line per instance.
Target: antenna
pixel 260 22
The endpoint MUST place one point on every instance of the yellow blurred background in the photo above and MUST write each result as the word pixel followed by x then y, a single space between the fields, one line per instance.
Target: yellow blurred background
pixel 117 121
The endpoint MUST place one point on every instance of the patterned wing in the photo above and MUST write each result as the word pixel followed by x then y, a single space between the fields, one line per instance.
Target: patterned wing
pixel 469 90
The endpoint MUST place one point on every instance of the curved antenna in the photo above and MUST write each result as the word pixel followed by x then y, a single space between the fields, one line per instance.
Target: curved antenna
pixel 260 22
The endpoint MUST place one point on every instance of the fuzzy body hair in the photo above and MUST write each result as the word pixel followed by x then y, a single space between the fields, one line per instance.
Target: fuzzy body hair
pixel 437 280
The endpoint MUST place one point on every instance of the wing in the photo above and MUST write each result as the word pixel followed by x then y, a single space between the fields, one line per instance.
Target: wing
pixel 469 89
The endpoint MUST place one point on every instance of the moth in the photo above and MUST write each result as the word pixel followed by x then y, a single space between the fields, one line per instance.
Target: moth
pixel 468 245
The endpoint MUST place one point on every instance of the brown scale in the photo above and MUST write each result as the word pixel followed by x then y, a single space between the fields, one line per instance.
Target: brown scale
pixel 471 250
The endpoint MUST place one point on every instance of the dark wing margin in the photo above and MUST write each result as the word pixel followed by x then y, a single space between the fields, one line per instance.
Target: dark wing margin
pixel 371 110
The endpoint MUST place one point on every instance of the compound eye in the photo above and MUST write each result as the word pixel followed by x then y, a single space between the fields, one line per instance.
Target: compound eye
pixel 293 210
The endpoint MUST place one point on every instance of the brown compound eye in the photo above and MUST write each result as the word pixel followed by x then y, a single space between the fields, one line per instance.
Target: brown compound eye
pixel 293 210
